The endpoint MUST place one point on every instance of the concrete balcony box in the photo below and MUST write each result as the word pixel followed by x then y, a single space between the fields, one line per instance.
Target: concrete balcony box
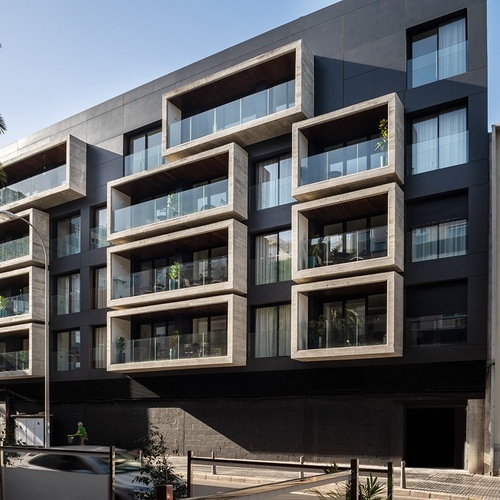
pixel 35 333
pixel 28 250
pixel 169 208
pixel 389 283
pixel 340 151
pixel 228 106
pixel 128 289
pixel 26 307
pixel 233 307
pixel 46 176
pixel 387 199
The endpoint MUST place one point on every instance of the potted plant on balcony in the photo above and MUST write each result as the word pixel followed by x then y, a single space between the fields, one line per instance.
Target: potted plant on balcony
pixel 23 359
pixel 317 331
pixel 316 257
pixel 174 274
pixel 174 345
pixel 381 145
pixel 120 349
pixel 170 206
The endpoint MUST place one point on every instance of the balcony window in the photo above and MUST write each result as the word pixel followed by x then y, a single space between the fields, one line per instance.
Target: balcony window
pixel 437 330
pixel 99 347
pixel 273 182
pixel 272 331
pixel 439 141
pixel 257 105
pixel 98 233
pixel 144 152
pixel 447 239
pixel 68 351
pixel 68 294
pixel 273 257
pixel 68 240
pixel 438 53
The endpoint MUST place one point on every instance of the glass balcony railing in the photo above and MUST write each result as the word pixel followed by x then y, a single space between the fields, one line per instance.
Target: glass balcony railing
pixel 271 269
pixel 234 113
pixel 353 331
pixel 13 306
pixel 143 160
pixel 14 249
pixel 98 237
pixel 440 152
pixel 437 65
pixel 171 206
pixel 173 347
pixel 34 185
pixel 14 361
pixel 344 247
pixel 66 245
pixel 443 329
pixel 272 193
pixel 343 161
pixel 185 275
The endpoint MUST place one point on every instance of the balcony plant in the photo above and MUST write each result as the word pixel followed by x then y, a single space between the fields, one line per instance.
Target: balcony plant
pixel 174 345
pixel 23 359
pixel 316 257
pixel 381 145
pixel 174 274
pixel 317 331
pixel 120 345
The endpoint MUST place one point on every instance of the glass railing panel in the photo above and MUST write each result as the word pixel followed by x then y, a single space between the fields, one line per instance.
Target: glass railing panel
pixel 98 237
pixel 345 247
pixel 143 160
pixel 442 152
pixel 342 161
pixel 446 329
pixel 173 347
pixel 34 185
pixel 14 249
pixel 234 113
pixel 438 65
pixel 354 331
pixel 171 206
pixel 66 245
pixel 13 306
pixel 173 277
pixel 272 193
pixel 14 361
pixel 271 269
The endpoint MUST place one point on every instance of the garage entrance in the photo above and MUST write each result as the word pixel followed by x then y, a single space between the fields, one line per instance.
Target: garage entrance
pixel 435 437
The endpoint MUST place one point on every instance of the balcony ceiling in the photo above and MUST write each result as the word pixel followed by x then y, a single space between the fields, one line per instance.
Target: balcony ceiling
pixel 361 290
pixel 165 315
pixel 236 85
pixel 339 212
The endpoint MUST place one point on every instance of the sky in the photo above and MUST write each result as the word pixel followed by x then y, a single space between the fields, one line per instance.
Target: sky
pixel 61 57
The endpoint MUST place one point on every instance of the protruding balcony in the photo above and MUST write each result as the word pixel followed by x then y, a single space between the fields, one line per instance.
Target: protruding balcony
pixel 204 188
pixel 252 101
pixel 352 148
pixel 199 333
pixel 47 177
pixel 22 296
pixel 20 246
pixel 190 263
pixel 23 357
pixel 348 318
pixel 352 233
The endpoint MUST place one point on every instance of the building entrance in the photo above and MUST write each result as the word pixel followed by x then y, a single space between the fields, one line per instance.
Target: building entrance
pixel 435 437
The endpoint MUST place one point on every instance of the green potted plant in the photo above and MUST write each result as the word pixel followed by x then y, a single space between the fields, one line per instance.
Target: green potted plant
pixel 315 259
pixel 317 329
pixel 23 359
pixel 170 206
pixel 120 349
pixel 174 274
pixel 174 344
pixel 381 144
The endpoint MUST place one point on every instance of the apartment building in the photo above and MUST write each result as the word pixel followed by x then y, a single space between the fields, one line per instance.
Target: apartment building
pixel 278 251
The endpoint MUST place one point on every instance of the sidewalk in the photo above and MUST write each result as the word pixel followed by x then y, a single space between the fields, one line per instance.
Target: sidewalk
pixel 442 484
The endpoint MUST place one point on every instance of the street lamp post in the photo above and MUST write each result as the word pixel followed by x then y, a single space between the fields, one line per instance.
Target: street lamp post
pixel 5 214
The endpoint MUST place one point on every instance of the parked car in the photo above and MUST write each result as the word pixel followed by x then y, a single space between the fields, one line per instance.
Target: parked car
pixel 127 467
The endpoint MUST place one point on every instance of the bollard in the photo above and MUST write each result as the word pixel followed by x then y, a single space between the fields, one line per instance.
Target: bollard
pixel 301 473
pixel 403 475
pixel 164 492
pixel 214 467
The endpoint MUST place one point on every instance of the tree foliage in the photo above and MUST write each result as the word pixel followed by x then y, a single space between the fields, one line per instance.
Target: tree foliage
pixel 371 490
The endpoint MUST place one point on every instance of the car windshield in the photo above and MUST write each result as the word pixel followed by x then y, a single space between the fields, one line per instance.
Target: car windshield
pixel 123 463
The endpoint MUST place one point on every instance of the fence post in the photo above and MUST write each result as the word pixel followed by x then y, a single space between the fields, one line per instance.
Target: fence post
pixel 112 473
pixel 301 473
pixel 390 473
pixel 354 478
pixel 214 467
pixel 403 475
pixel 189 473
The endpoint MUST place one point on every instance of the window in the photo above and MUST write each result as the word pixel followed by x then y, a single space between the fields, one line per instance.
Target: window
pixel 68 294
pixel 439 141
pixel 67 240
pixel 68 350
pixel 99 347
pixel 100 288
pixel 438 53
pixel 273 257
pixel 447 239
pixel 273 182
pixel 209 337
pixel 144 152
pixel 98 233
pixel 442 329
pixel 272 331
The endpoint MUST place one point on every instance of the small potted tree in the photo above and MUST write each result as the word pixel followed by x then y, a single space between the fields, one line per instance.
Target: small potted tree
pixel 120 349
pixel 174 274
pixel 317 331
pixel 174 345
pixel 381 145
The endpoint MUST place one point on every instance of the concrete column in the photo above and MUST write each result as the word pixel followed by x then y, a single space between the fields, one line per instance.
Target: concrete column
pixel 475 436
